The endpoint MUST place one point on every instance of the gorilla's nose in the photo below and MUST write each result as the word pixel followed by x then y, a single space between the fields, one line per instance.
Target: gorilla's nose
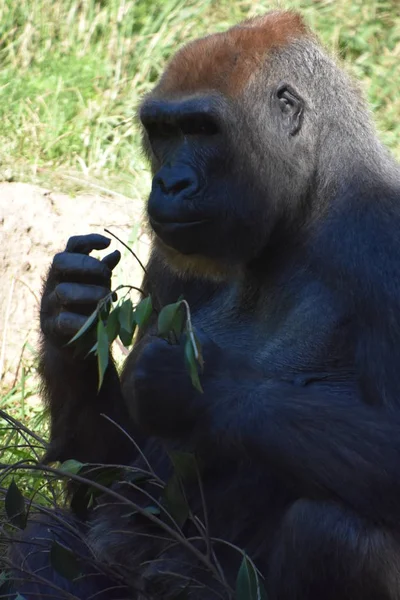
pixel 176 181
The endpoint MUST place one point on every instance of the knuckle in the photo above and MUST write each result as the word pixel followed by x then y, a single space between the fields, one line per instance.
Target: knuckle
pixel 68 323
pixel 64 294
pixel 59 323
pixel 75 239
pixel 59 293
pixel 140 373
pixel 94 266
pixel 46 305
pixel 97 293
pixel 84 263
pixel 142 378
pixel 72 242
pixel 58 261
pixel 147 358
pixel 46 324
pixel 51 303
pixel 151 350
pixel 143 361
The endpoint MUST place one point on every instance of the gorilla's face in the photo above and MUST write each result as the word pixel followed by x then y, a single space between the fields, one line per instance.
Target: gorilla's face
pixel 215 194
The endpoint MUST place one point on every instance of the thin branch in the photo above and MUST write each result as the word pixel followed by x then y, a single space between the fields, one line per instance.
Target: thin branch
pixel 130 287
pixel 205 511
pixel 136 445
pixel 190 330
pixel 129 250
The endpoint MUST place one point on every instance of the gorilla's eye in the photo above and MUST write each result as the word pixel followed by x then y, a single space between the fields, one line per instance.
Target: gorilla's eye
pixel 161 129
pixel 288 101
pixel 198 124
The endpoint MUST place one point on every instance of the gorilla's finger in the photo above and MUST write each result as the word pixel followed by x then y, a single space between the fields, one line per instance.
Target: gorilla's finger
pixel 65 325
pixel 69 294
pixel 80 267
pixel 84 244
pixel 111 260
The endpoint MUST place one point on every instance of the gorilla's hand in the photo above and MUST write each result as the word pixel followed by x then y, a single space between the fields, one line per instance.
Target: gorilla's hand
pixel 165 402
pixel 75 284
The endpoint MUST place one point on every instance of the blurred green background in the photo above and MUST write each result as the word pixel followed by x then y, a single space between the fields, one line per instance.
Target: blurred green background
pixel 72 73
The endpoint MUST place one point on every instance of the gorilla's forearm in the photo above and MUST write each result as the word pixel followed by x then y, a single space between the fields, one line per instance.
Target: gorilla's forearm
pixel 78 428
pixel 321 439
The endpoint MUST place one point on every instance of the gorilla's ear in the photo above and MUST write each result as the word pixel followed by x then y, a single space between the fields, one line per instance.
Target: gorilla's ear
pixel 291 106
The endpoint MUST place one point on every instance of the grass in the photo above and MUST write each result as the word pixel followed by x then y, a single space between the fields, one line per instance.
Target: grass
pixel 73 71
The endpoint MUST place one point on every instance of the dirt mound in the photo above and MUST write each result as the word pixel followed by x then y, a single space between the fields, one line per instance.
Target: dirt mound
pixel 35 224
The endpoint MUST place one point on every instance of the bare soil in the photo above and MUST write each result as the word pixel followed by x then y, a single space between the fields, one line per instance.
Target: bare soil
pixel 35 223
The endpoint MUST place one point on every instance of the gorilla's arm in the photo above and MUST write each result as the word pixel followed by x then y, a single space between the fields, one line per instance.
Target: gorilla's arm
pixel 78 428
pixel 327 442
pixel 75 284
pixel 322 438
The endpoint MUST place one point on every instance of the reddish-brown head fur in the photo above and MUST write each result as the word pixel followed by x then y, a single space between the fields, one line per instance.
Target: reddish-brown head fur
pixel 224 62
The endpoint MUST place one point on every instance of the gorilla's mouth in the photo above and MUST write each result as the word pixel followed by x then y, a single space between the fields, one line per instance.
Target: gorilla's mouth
pixel 183 236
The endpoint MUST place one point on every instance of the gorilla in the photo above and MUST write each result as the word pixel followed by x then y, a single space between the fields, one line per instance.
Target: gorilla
pixel 275 213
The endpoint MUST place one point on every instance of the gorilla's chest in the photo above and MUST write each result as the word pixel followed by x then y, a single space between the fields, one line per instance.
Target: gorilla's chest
pixel 287 328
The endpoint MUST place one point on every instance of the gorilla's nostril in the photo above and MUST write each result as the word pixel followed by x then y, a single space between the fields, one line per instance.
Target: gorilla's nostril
pixel 160 183
pixel 174 182
pixel 175 186
pixel 179 186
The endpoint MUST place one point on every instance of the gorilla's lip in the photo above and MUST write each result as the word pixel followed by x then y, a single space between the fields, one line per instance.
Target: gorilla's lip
pixel 170 226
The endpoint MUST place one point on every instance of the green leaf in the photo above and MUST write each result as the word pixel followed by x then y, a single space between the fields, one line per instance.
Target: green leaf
pixel 105 475
pixel 87 324
pixel 15 506
pixel 3 579
pixel 185 465
pixel 85 493
pixel 152 510
pixel 174 498
pixel 64 561
pixel 126 315
pixel 127 322
pixel 102 351
pixel 191 365
pixel 71 466
pixel 112 325
pixel 168 317
pixel 143 312
pixel 248 583
pixel 175 501
pixel 125 337
pixel 93 350
pixel 178 325
pixel 104 310
pixel 138 477
pixel 19 597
